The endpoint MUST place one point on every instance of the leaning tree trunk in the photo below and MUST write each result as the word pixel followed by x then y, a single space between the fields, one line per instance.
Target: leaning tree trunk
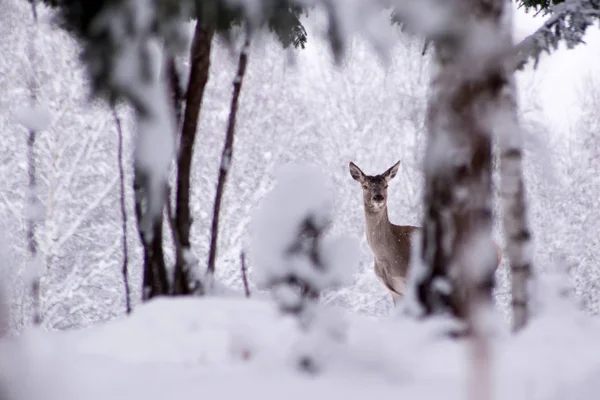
pixel 227 154
pixel 125 265
pixel 185 282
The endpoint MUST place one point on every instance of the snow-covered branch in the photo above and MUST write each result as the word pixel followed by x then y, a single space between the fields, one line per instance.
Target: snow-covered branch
pixel 567 24
pixel 293 258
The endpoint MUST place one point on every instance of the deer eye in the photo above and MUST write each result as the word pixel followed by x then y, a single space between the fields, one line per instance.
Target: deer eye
pixel 385 187
pixel 365 186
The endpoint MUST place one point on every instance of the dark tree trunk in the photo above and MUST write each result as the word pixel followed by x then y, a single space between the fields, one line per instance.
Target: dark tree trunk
pixel 227 154
pixel 457 248
pixel 244 275
pixel 124 269
pixel 155 281
pixel 175 86
pixel 200 66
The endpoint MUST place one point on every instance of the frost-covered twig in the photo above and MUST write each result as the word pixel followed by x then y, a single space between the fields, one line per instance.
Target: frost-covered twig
pixel 124 269
pixel 244 277
pixel 227 154
pixel 34 267
pixel 31 224
pixel 34 10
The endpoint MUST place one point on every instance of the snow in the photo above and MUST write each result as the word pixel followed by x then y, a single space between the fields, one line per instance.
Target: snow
pixel 34 118
pixel 301 192
pixel 226 347
pixel 230 348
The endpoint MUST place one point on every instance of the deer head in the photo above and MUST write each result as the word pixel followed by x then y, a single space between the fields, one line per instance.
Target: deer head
pixel 374 187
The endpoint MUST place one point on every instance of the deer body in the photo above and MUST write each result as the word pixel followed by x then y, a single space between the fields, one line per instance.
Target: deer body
pixel 391 247
pixel 391 244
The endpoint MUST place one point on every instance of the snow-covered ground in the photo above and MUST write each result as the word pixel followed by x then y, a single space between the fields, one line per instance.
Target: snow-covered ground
pixel 226 348
pixel 239 348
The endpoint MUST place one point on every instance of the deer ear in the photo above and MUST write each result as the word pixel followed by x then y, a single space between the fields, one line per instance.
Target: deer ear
pixel 390 173
pixel 356 173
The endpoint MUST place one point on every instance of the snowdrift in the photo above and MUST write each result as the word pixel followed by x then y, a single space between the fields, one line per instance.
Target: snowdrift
pixel 238 348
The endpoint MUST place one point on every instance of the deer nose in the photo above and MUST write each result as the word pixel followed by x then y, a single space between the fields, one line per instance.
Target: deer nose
pixel 378 197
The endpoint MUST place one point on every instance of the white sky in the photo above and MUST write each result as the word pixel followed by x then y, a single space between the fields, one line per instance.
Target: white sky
pixel 561 75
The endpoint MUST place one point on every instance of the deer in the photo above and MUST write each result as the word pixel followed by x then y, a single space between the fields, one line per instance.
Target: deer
pixel 390 244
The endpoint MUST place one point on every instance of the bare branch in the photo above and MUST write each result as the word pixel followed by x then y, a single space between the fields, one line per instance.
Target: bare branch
pixel 70 231
pixel 33 205
pixel 227 154
pixel 244 277
pixel 124 270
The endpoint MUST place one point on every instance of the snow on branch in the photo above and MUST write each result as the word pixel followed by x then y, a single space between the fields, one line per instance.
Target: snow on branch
pixel 294 260
pixel 300 206
pixel 568 23
pixel 34 118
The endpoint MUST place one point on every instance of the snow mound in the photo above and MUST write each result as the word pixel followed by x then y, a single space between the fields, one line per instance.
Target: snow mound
pixel 240 348
pixel 34 118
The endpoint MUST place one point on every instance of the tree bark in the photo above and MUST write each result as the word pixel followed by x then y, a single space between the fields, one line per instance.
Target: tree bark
pixel 200 66
pixel 175 86
pixel 457 248
pixel 227 154
pixel 155 281
pixel 515 223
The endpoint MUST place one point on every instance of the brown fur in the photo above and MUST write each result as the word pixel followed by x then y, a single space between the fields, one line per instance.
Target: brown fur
pixel 390 244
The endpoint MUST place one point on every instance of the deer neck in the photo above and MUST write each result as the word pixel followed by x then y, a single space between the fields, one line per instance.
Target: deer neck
pixel 379 230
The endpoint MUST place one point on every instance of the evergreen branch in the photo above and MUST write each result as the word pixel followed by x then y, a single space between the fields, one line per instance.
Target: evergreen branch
pixel 568 24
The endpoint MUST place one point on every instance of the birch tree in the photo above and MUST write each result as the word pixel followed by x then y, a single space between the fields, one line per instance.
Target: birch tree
pixel 567 23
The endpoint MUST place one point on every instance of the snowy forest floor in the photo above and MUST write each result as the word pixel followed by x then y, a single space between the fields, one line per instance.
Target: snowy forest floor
pixel 237 348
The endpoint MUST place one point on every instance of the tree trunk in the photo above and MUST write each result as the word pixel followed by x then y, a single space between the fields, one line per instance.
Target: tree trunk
pixel 155 281
pixel 457 248
pixel 515 224
pixel 200 66
pixel 175 86
pixel 227 154
pixel 124 268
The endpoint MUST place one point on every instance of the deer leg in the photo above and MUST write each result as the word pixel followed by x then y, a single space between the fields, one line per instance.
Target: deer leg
pixel 396 295
pixel 396 298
